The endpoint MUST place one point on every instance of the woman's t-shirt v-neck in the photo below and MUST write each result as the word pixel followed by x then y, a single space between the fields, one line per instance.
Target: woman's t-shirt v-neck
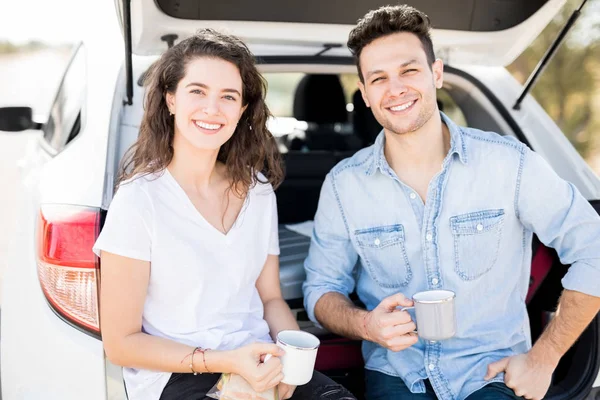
pixel 202 282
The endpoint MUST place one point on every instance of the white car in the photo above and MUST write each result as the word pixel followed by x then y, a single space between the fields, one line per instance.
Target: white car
pixel 51 346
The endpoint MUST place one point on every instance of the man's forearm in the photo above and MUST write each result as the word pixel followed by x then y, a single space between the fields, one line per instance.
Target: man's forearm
pixel 339 315
pixel 575 311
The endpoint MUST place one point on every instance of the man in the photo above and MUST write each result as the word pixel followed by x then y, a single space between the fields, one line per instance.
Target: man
pixel 435 206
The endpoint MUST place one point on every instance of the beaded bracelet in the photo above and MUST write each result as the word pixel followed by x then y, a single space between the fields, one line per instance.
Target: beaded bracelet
pixel 200 350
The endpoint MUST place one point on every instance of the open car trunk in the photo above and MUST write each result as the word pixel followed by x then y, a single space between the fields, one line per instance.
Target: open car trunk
pixel 485 32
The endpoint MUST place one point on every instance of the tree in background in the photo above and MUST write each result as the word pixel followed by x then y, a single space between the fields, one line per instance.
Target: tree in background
pixel 569 89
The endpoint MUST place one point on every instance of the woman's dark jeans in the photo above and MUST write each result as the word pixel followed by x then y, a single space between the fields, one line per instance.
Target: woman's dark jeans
pixel 195 387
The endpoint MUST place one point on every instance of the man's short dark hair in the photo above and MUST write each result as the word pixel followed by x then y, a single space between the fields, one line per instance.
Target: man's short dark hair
pixel 388 20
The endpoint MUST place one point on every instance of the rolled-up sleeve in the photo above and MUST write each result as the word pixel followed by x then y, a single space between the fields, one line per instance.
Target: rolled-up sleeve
pixel 563 219
pixel 331 257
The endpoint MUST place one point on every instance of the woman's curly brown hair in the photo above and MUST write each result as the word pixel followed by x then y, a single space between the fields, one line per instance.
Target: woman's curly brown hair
pixel 251 149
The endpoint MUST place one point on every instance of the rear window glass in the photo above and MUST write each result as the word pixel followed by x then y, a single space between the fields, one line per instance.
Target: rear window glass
pixel 282 88
pixel 450 108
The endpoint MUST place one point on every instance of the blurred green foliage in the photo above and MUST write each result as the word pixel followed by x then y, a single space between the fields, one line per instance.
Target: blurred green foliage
pixel 7 47
pixel 569 89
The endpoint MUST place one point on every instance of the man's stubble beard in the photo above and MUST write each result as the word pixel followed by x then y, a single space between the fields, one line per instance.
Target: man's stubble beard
pixel 425 114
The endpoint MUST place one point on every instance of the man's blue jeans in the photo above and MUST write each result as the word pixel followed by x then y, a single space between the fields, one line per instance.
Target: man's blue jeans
pixel 380 386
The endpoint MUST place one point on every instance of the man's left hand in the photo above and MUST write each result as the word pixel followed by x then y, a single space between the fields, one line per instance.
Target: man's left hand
pixel 286 391
pixel 526 376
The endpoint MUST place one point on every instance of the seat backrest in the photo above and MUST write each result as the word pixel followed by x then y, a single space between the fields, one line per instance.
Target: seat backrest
pixel 298 195
pixel 364 124
pixel 319 100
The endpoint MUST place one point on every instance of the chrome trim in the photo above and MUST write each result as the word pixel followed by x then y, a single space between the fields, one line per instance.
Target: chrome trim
pixel 435 301
pixel 280 341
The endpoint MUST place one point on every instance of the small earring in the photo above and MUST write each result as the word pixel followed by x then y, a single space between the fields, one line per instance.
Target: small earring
pixel 249 126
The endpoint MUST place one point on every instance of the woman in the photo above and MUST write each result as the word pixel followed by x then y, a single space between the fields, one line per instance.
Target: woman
pixel 190 272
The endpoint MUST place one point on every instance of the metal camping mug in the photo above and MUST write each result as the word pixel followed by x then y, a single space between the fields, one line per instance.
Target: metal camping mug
pixel 300 356
pixel 435 314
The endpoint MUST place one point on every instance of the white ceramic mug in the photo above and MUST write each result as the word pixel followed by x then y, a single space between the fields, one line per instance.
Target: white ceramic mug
pixel 300 356
pixel 435 314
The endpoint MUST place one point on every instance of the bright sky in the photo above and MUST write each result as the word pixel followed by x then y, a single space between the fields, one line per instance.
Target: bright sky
pixel 53 21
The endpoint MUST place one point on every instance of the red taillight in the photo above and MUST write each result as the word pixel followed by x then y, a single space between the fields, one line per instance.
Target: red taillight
pixel 67 267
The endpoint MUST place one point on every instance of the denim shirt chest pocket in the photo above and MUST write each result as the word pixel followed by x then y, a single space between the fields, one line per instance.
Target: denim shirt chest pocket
pixel 383 253
pixel 476 242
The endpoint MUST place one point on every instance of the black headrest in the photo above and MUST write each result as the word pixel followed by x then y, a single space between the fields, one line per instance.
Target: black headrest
pixel 320 99
pixel 365 125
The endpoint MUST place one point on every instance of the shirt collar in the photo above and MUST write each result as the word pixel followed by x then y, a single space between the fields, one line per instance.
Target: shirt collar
pixel 457 139
pixel 457 146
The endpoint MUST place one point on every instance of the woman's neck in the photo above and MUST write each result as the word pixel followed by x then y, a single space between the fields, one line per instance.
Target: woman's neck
pixel 195 169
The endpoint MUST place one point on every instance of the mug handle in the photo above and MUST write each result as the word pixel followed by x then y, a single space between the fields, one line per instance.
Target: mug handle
pixel 404 309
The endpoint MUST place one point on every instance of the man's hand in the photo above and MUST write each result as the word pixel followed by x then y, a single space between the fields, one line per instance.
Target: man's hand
pixel 525 375
pixel 390 327
pixel 285 391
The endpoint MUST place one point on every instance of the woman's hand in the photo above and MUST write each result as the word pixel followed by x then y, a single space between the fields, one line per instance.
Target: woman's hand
pixel 286 391
pixel 261 376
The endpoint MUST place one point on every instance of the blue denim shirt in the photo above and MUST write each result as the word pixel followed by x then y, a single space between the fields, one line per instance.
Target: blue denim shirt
pixel 472 236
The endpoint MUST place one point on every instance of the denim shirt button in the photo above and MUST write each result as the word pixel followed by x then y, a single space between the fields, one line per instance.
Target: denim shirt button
pixel 479 227
pixel 413 196
pixel 377 242
pixel 434 281
pixel 431 367
pixel 429 237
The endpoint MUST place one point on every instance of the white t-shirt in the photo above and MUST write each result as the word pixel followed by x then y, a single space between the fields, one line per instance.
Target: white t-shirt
pixel 202 282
